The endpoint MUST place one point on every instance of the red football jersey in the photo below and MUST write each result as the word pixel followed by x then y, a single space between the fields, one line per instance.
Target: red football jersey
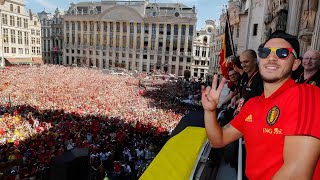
pixel 292 110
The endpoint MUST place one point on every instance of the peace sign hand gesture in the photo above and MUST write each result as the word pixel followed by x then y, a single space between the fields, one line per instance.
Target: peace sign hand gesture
pixel 211 95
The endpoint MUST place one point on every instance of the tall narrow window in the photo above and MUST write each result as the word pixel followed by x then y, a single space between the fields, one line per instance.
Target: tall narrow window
pixel 255 29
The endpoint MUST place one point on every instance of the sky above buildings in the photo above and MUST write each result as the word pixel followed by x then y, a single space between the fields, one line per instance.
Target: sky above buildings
pixel 207 9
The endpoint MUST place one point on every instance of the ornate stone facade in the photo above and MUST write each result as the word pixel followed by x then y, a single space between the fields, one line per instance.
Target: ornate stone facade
pixel 52 36
pixel 234 11
pixel 203 50
pixel 20 39
pixel 136 35
pixel 297 17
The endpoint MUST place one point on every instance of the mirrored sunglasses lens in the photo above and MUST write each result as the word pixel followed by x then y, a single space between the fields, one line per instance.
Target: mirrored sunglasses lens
pixel 264 52
pixel 282 52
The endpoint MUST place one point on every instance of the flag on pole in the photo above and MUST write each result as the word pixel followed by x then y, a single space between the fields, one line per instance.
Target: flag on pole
pixel 226 50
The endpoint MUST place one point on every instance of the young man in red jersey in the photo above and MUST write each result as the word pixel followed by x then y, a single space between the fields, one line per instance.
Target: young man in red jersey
pixel 280 127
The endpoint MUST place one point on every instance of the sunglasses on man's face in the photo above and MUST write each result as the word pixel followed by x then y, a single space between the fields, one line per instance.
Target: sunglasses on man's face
pixel 282 53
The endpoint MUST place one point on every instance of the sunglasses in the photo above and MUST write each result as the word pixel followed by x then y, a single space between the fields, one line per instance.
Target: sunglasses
pixel 282 53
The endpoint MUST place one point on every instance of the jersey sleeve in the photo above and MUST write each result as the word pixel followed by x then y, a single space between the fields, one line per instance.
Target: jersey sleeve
pixel 305 116
pixel 238 121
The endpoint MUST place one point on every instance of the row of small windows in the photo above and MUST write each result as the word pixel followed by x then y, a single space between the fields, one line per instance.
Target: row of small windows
pixel 35 32
pixel 137 56
pixel 48 22
pixel 203 52
pixel 84 39
pixel 121 42
pixel 99 25
pixel 202 63
pixel 16 10
pixel 51 32
pixel 14 50
pixel 195 74
pixel 116 63
pixel 56 45
pixel 14 21
pixel 34 50
pixel 19 36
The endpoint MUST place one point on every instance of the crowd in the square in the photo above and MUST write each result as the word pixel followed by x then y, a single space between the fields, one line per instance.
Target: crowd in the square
pixel 48 110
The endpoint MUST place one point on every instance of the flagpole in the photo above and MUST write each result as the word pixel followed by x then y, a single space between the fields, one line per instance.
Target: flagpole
pixel 231 34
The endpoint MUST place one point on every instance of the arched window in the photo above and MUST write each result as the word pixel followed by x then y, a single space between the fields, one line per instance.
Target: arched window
pixel 18 9
pixel 11 7
pixel 205 39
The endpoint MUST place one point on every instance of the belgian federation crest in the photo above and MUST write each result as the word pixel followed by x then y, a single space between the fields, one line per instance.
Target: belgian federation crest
pixel 273 115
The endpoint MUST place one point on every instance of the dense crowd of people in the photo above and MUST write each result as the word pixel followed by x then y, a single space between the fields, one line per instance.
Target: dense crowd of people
pixel 48 110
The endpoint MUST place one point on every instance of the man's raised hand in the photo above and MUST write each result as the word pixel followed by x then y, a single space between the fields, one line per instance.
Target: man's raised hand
pixel 210 95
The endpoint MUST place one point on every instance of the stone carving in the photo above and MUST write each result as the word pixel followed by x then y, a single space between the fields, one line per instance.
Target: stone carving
pixel 267 32
pixel 276 16
pixel 282 20
pixel 309 12
pixel 122 14
pixel 267 18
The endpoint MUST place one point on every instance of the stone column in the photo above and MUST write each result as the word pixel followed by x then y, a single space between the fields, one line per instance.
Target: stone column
pixel 70 37
pixel 156 42
pixel 127 46
pixel 186 38
pixel 114 34
pixel 95 32
pixel 95 44
pixel 178 50
pixel 164 45
pixel 134 47
pixel 101 34
pixel 108 35
pixel 76 34
pixel 108 45
pixel 294 14
pixel 120 39
pixel 135 34
pixel 141 46
pixel 149 46
pixel 65 42
pixel 315 42
pixel 88 44
pixel 171 48
pixel 101 46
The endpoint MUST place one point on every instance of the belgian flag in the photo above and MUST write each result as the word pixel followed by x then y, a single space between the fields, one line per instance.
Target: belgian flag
pixel 227 49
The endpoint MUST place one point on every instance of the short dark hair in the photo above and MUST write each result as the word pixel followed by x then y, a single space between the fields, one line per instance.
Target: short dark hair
pixel 250 52
pixel 236 62
pixel 230 69
pixel 292 40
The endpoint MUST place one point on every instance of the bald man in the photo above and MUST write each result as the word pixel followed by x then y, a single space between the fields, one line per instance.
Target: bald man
pixel 311 65
pixel 252 82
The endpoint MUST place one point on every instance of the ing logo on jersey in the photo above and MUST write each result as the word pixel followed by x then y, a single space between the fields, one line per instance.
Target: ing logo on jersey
pixel 273 115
